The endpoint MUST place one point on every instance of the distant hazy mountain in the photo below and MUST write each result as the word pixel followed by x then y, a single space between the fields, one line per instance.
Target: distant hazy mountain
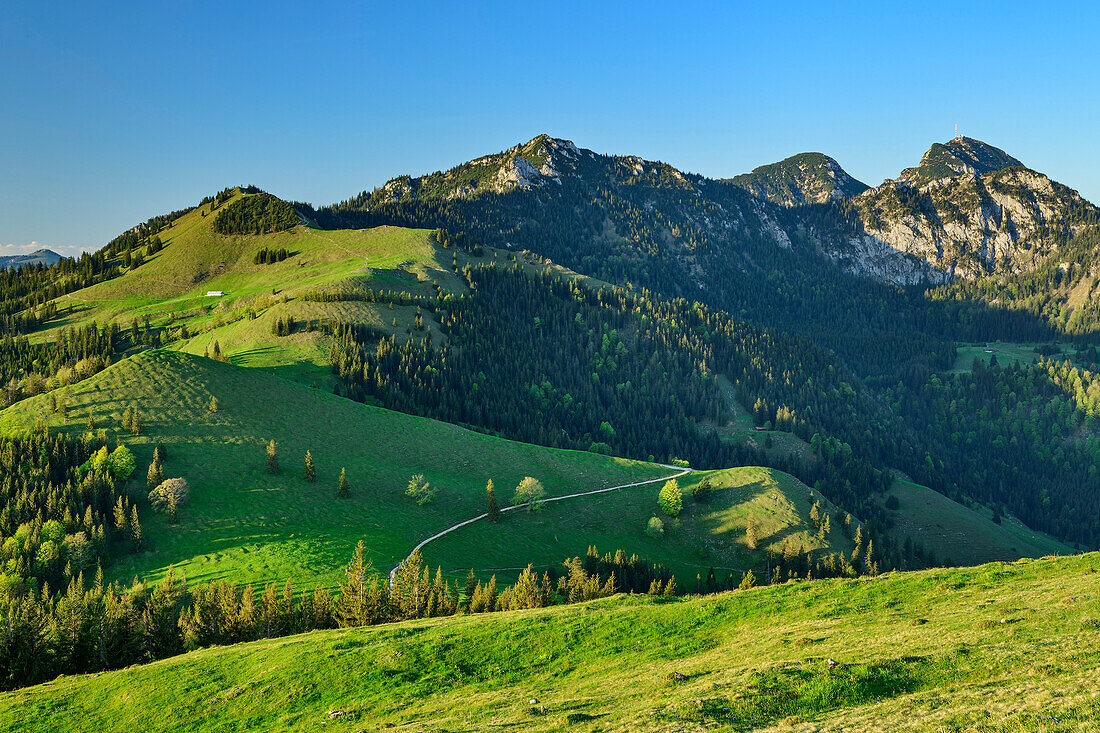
pixel 39 256
pixel 806 178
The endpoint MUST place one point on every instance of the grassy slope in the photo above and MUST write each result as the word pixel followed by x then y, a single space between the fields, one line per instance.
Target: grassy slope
pixel 963 534
pixel 246 524
pixel 1006 353
pixel 993 648
pixel 171 289
pixel 706 535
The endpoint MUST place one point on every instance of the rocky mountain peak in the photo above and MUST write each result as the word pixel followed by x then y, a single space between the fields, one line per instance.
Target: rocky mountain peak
pixel 957 157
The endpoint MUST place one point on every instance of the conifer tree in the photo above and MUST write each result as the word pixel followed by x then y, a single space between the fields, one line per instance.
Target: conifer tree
pixel 136 535
pixel 752 532
pixel 154 477
pixel 492 507
pixel 272 458
pixel 310 474
pixel 213 404
pixel 410 588
pixel 122 519
pixel 748 580
pixel 471 586
pixel 342 488
pixel 351 606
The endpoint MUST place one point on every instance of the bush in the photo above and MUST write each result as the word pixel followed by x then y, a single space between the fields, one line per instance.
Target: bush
pixel 172 492
pixel 655 528
pixel 670 499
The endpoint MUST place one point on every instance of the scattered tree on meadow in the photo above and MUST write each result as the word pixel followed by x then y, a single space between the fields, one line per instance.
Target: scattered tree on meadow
pixel 155 475
pixel 752 533
pixel 310 473
pixel 701 491
pixel 748 580
pixel 213 404
pixel 670 499
pixel 418 488
pixel 529 493
pixel 343 490
pixel 272 458
pixel 655 528
pixel 170 491
pixel 492 506
pixel 136 535
pixel 352 608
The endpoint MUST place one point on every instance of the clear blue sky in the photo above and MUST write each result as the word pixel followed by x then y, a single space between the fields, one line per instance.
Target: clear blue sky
pixel 113 112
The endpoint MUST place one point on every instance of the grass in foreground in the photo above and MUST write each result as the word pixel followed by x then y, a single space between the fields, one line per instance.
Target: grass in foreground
pixel 993 648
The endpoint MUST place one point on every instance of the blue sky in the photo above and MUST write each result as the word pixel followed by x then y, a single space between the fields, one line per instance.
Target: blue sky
pixel 120 111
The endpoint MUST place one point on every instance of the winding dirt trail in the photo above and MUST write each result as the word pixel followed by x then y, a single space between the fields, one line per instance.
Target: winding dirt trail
pixel 460 525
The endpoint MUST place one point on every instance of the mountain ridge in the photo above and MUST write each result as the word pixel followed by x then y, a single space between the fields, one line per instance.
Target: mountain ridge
pixel 43 256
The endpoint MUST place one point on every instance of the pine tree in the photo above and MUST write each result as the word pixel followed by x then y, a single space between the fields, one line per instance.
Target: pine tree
pixel 342 489
pixel 272 458
pixel 748 580
pixel 213 404
pixel 492 507
pixel 410 587
pixel 310 474
pixel 136 535
pixel 122 519
pixel 154 477
pixel 471 586
pixel 352 605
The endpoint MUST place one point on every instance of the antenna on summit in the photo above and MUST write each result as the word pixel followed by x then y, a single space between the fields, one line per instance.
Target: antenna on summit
pixel 956 129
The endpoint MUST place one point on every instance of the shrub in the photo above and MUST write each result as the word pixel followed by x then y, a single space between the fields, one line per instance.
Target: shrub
pixel 655 528
pixel 171 492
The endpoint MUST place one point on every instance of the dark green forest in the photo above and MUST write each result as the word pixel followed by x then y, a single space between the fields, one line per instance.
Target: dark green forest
pixel 260 213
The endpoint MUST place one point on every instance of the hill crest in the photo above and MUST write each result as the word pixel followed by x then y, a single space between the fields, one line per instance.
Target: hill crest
pixel 805 178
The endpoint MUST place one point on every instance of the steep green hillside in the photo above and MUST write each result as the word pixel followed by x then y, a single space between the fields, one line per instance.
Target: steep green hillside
pixel 924 520
pixel 245 524
pixel 993 648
